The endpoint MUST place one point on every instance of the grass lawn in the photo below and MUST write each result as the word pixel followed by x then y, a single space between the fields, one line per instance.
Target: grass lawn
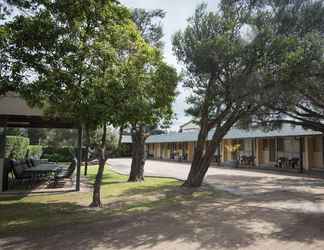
pixel 20 213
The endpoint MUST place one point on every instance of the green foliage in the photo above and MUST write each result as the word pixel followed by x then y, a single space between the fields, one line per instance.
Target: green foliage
pixel 221 64
pixel 16 147
pixel 123 151
pixel 35 151
pixel 37 135
pixel 149 24
pixel 296 64
pixel 63 154
pixel 150 83
pixel 77 77
pixel 111 139
pixel 16 132
pixel 59 138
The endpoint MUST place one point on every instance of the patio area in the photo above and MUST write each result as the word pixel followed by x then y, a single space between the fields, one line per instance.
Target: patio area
pixel 19 171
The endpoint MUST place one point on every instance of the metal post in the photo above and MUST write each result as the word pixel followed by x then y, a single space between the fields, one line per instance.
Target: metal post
pixel 3 171
pixel 77 186
pixel 322 149
pixel 276 157
pixel 86 151
pixel 253 151
pixel 219 154
pixel 301 161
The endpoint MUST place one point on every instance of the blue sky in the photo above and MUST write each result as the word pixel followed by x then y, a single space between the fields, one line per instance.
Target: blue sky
pixel 177 13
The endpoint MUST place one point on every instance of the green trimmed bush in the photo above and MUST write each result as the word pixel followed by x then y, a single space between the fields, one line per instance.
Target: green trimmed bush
pixel 35 151
pixel 16 147
pixel 64 154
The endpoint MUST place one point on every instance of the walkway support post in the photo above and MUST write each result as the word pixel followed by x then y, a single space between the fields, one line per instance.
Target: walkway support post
pixel 253 152
pixel 87 142
pixel 301 158
pixel 3 172
pixel 77 186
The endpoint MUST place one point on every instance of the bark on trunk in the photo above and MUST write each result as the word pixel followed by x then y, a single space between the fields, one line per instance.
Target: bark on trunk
pixel 138 155
pixel 201 161
pixel 198 165
pixel 96 200
pixel 199 170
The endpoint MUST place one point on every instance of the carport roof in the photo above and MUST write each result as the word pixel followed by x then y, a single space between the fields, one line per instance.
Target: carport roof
pixel 15 112
pixel 234 133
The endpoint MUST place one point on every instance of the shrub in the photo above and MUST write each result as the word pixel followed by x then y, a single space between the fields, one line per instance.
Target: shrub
pixel 64 154
pixel 123 151
pixel 16 147
pixel 35 151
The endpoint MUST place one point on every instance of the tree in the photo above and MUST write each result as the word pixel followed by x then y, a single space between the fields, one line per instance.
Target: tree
pixel 221 67
pixel 7 75
pixel 55 138
pixel 149 24
pixel 298 72
pixel 75 51
pixel 151 87
pixel 152 84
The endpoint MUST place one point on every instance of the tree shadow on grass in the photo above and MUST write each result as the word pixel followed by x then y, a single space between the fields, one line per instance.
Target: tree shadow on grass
pixel 199 218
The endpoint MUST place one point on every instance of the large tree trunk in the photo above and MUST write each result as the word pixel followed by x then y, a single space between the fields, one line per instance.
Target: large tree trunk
pixel 138 155
pixel 199 170
pixel 96 200
pixel 196 174
pixel 201 160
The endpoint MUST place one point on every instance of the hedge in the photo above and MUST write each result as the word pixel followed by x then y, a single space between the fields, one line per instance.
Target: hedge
pixel 16 147
pixel 35 151
pixel 64 154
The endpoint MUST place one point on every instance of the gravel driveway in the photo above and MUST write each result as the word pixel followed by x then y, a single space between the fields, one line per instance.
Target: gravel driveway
pixel 236 181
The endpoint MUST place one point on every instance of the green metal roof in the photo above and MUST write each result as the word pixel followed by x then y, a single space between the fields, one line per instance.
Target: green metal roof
pixel 234 133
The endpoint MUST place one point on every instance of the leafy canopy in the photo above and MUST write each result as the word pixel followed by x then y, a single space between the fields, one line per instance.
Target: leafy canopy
pixel 221 62
pixel 69 55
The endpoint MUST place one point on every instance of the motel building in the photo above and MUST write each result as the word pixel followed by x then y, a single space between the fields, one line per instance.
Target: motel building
pixel 289 148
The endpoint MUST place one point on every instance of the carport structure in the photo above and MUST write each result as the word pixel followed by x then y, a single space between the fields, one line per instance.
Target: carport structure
pixel 15 112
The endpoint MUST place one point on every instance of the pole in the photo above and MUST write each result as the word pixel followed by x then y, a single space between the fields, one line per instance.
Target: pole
pixel 3 168
pixel 252 147
pixel 87 134
pixel 276 157
pixel 77 186
pixel 301 146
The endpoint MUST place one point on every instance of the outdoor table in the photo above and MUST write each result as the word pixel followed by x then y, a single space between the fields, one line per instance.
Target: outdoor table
pixel 43 169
